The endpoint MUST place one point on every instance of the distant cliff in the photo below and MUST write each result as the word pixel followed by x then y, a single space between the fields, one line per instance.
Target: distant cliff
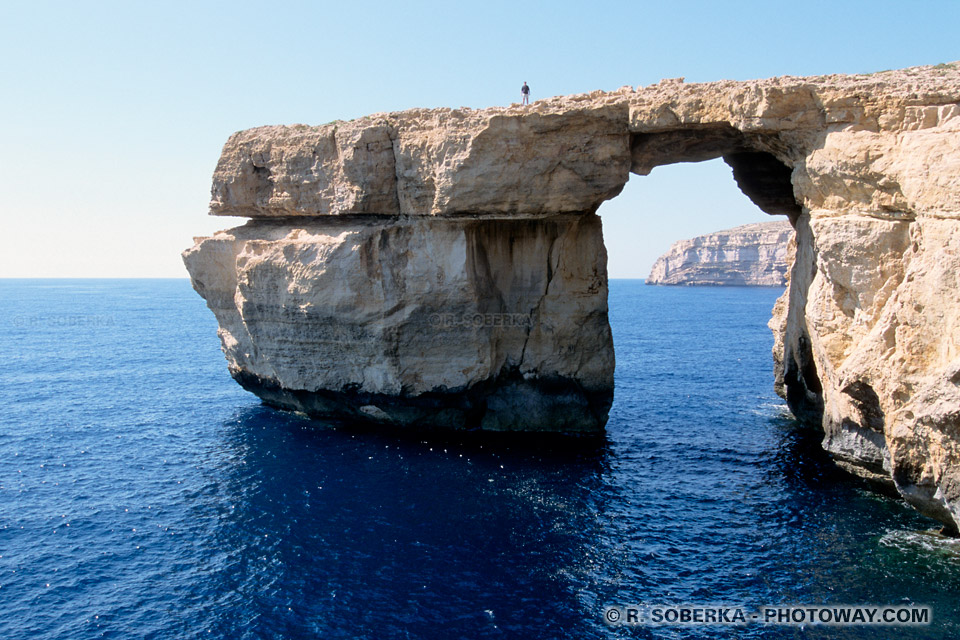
pixel 751 254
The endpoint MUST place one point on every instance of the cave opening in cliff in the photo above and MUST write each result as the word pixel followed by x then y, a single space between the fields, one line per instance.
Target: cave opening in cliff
pixel 712 184
pixel 760 174
pixel 683 200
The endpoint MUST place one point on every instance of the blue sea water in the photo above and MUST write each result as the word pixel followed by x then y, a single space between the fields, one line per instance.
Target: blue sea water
pixel 143 494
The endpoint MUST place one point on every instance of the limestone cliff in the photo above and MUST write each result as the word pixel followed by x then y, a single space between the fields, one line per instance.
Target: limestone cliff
pixel 385 251
pixel 751 254
pixel 466 323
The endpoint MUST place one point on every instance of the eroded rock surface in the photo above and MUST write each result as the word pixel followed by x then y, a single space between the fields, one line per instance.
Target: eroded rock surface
pixel 748 255
pixel 322 307
pixel 430 322
pixel 878 339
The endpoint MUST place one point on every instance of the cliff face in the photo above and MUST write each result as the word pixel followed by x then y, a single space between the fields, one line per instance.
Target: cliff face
pixel 498 325
pixel 870 349
pixel 751 254
pixel 366 232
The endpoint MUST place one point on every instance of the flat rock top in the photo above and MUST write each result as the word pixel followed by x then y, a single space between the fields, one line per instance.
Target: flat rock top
pixel 772 228
pixel 923 85
pixel 563 154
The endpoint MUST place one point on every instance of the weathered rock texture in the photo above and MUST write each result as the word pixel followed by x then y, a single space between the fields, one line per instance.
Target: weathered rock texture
pixel 428 322
pixel 374 225
pixel 751 254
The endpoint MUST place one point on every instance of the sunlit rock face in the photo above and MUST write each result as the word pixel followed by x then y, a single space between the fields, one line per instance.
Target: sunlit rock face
pixel 362 229
pixel 427 322
pixel 748 255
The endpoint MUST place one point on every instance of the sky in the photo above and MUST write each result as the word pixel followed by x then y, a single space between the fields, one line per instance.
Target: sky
pixel 113 114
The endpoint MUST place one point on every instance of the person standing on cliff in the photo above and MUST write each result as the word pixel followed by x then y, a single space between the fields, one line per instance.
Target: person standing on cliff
pixel 525 93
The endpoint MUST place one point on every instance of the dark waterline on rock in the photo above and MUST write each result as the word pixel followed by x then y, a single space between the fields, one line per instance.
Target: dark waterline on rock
pixel 143 493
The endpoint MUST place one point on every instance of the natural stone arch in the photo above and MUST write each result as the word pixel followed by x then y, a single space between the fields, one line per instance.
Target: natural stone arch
pixel 762 168
pixel 387 254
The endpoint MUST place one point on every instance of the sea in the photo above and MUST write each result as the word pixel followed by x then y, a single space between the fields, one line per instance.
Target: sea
pixel 144 494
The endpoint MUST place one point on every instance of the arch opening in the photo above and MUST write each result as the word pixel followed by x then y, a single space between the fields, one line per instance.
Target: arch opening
pixel 761 171
pixel 762 175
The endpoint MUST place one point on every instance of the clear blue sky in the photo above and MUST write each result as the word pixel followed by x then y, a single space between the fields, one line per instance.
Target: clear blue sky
pixel 112 114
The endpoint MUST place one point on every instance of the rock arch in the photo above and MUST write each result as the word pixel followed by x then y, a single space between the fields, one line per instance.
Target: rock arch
pixel 446 267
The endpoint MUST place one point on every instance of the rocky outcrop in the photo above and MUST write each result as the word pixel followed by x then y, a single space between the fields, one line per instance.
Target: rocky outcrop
pixel 362 229
pixel 748 255
pixel 870 349
pixel 427 322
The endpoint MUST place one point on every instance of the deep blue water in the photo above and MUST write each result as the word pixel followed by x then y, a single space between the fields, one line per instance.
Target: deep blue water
pixel 144 494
